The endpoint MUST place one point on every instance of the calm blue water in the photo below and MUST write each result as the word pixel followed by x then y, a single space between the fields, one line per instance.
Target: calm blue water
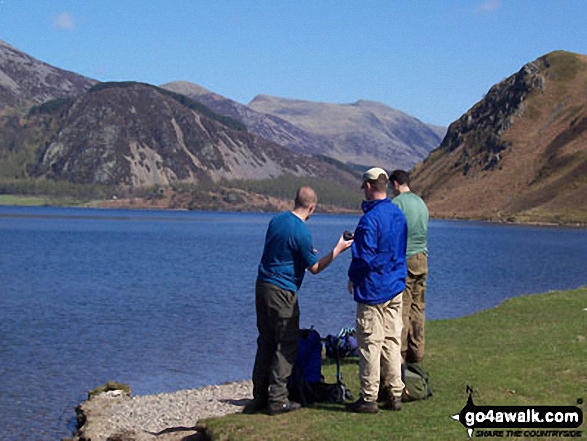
pixel 165 300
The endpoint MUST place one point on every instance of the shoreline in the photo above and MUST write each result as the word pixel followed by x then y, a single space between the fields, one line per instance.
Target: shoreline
pixel 323 210
pixel 116 415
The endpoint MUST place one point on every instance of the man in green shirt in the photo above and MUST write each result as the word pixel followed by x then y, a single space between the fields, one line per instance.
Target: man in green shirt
pixel 414 303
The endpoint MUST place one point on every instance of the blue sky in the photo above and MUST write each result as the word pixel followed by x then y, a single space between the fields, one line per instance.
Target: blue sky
pixel 433 59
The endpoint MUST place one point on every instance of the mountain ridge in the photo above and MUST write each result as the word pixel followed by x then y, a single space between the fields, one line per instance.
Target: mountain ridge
pixel 266 126
pixel 520 153
pixel 362 145
pixel 110 136
pixel 365 132
pixel 24 80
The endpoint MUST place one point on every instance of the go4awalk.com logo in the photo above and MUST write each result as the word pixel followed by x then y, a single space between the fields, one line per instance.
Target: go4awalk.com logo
pixel 520 421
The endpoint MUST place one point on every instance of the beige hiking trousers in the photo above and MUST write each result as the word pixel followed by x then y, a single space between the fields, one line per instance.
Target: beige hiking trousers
pixel 379 331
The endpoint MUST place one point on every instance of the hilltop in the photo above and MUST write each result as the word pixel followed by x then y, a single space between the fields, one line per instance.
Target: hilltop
pixel 111 136
pixel 359 134
pixel 266 126
pixel 25 80
pixel 365 133
pixel 520 154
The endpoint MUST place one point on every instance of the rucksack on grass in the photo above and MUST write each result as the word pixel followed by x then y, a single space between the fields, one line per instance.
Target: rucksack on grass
pixel 417 383
pixel 306 384
pixel 343 345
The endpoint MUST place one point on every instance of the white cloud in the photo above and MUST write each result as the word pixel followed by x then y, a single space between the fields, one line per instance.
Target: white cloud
pixel 64 21
pixel 489 6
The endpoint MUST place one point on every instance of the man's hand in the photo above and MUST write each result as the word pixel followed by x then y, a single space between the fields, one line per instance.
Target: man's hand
pixel 342 245
pixel 321 265
pixel 350 287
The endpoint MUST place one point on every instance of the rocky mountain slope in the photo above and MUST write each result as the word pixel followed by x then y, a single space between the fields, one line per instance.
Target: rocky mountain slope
pixel 363 133
pixel 138 135
pixel 26 80
pixel 519 154
pixel 366 132
pixel 266 126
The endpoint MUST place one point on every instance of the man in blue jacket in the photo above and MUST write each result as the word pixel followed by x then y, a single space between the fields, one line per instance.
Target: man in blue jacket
pixel 377 277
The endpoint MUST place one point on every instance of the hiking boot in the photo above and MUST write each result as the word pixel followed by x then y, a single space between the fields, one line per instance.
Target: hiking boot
pixel 362 406
pixel 278 409
pixel 384 394
pixel 255 406
pixel 395 403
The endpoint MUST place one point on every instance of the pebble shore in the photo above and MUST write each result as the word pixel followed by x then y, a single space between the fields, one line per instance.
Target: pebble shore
pixel 114 415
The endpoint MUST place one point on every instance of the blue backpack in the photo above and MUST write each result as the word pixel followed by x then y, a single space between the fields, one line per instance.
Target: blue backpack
pixel 306 384
pixel 343 345
pixel 308 364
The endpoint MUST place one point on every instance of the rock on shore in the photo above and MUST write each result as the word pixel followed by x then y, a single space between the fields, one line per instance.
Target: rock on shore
pixel 116 416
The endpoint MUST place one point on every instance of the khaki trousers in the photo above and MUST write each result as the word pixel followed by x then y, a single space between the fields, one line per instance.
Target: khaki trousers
pixel 413 310
pixel 379 329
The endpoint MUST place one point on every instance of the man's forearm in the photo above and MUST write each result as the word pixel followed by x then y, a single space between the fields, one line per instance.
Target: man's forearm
pixel 326 260
pixel 323 263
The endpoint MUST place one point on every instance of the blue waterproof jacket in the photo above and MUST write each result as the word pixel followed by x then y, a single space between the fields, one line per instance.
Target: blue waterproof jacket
pixel 378 269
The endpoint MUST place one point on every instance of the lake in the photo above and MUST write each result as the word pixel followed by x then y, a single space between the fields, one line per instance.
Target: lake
pixel 164 300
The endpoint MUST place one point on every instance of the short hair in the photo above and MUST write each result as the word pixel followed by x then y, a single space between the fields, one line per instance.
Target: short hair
pixel 305 197
pixel 402 177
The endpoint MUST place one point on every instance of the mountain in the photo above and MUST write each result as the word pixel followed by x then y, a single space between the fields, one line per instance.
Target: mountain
pixel 269 127
pixel 365 133
pixel 520 154
pixel 25 80
pixel 67 103
pixel 139 135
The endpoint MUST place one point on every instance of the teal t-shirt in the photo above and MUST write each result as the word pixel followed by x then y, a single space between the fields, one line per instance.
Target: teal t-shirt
pixel 288 252
pixel 416 214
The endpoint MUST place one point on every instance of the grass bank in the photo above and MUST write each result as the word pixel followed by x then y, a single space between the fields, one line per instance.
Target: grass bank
pixel 8 199
pixel 41 201
pixel 530 350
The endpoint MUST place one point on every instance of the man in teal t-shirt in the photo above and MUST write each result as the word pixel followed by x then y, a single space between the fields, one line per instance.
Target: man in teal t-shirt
pixel 414 302
pixel 287 254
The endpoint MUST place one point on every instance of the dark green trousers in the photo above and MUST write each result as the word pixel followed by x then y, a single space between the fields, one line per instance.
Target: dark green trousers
pixel 278 322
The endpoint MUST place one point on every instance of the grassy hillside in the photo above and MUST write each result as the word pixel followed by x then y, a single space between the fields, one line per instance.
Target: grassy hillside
pixel 531 350
pixel 519 154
